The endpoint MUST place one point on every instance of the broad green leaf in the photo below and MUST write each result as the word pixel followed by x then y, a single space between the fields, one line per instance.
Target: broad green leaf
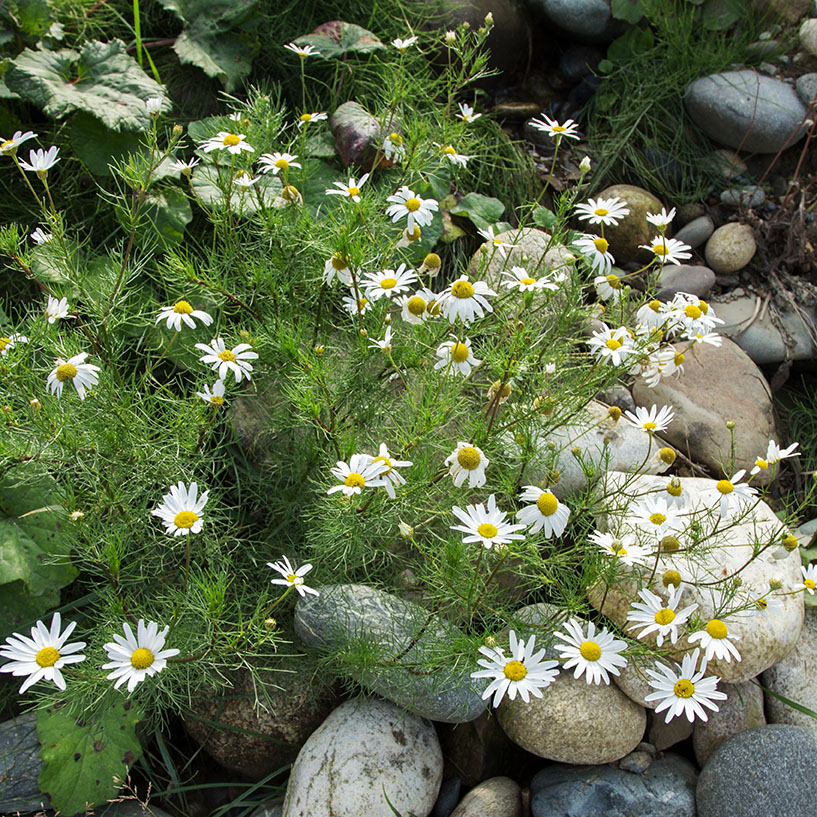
pixel 81 758
pixel 208 186
pixel 321 145
pixel 48 266
pixel 33 17
pixel 631 11
pixel 169 212
pixel 543 217
pixel 337 38
pixel 635 41
pixel 717 15
pixel 101 80
pixel 482 211
pixel 98 146
pixel 34 545
pixel 202 129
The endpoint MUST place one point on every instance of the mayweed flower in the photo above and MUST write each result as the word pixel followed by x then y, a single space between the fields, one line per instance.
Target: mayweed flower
pixel 387 282
pixel 134 659
pixel 307 118
pixel 385 344
pixel 595 249
pixel 244 181
pixel 402 45
pixel 153 105
pixel 225 140
pixel 185 166
pixel 467 461
pixel 362 471
pixel 7 344
pixel 615 345
pixel 593 654
pixel 655 617
pixel 627 551
pixel 608 287
pixel 8 147
pixel 774 453
pixel 546 513
pixel 466 301
pixel 668 250
pixel 225 360
pixel 351 190
pixel 729 494
pixel 356 306
pixel 406 204
pixel 603 211
pixel 651 420
pixel 391 477
pixel 180 312
pixel 214 396
pixel 654 515
pixel 522 281
pixel 467 113
pixel 56 310
pixel 456 356
pixel 180 510
pixel 303 51
pixel 809 578
pixel 74 370
pixel 393 148
pixel 686 690
pixel 291 577
pixel 715 641
pixel 43 655
pixel 276 162
pixel 39 236
pixel 418 307
pixel 41 161
pixel 553 129
pixel 661 220
pixel 449 152
pixel 337 265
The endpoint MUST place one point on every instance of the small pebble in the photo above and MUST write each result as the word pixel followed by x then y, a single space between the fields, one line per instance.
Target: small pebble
pixel 752 196
pixel 696 232
pixel 636 762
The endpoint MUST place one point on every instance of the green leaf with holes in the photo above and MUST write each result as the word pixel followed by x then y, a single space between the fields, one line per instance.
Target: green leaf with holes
pixel 35 540
pixel 338 38
pixel 83 758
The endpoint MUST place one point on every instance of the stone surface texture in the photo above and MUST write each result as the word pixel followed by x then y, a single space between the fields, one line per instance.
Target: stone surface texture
pixel 497 797
pixel 730 248
pixel 632 230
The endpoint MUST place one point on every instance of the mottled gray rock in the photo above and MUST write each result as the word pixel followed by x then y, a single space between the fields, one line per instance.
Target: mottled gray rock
pixel 618 395
pixel 497 797
pixel 633 681
pixel 697 232
pixel 795 678
pixel 403 634
pixel 748 321
pixel 742 710
pixel 689 212
pixel 808 36
pixel 665 789
pixel 807 87
pixel 749 196
pixel 663 735
pixel 365 751
pixel 697 280
pixel 768 770
pixel 730 248
pixel 20 765
pixel 588 20
pixel 746 110
pixel 636 762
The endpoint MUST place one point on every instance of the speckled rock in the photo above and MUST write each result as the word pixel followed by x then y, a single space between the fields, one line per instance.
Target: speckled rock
pixel 632 230
pixel 497 797
pixel 701 412
pixel 746 110
pixel 403 634
pixel 730 248
pixel 762 771
pixel 763 639
pixel 365 751
pixel 748 196
pixel 795 678
pixel 808 36
pixel 697 231
pixel 634 682
pixel 806 87
pixel 742 710
pixel 691 278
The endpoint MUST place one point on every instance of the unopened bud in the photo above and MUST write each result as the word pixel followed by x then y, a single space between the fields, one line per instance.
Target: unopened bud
pixel 666 455
pixel 775 584
pixel 584 165
pixel 576 451
pixel 35 404
pixel 244 335
pixel 671 577
pixel 270 624
pixel 364 333
pixel 614 413
pixel 178 130
pixel 490 641
pixel 406 531
pixel 76 516
pixel 318 350
pixel 387 320
pixel 730 424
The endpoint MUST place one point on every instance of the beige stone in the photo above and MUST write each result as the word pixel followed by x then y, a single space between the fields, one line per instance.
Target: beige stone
pixel 497 797
pixel 730 248
pixel 663 735
pixel 808 36
pixel 632 230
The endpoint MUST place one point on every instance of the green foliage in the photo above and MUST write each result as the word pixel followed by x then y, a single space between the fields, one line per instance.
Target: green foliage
pixel 482 211
pixel 338 38
pixel 85 760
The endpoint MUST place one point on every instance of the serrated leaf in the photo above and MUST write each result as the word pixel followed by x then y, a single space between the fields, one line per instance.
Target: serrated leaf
pixel 82 758
pixel 337 38
pixel 482 211
pixel 101 80
pixel 34 545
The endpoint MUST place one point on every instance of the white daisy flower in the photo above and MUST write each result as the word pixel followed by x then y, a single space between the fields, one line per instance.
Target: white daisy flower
pixel 449 152
pixel 337 265
pixel 686 690
pixel 391 478
pixel 655 617
pixel 41 161
pixel 490 235
pixel 394 150
pixel 809 578
pixel 385 344
pixel 608 287
pixel 408 237
pixel 552 128
pixel 546 513
pixel 652 314
pixel 406 204
pixel 9 146
pixel 351 190
pixel 466 301
pixel 39 236
pixel 134 659
pixel 668 250
pixel 153 105
pixel 7 344
pixel 308 118
pixel 43 655
pixel 303 51
pixel 467 113
pixel 715 641
pixel 450 37
pixel 213 395
pixel 661 220
pixel 615 345
pixel 417 308
pixel 56 309
pixel 387 282
pixel 74 370
pixel 225 140
pixel 276 162
pixel 595 249
pixel 774 453
pixel 767 605
pixel 729 494
pixel 522 281
pixel 185 167
pixel 712 338
pixel 456 357
pixel 355 306
pixel 180 510
pixel 525 672
pixel 603 211
pixel 180 312
pixel 360 472
pixel 244 180
pixel 651 420
pixel 223 360
pixel 403 45
pixel 624 549
pixel 486 525
pixel 593 654
pixel 292 578
pixel 690 315
pixel 467 461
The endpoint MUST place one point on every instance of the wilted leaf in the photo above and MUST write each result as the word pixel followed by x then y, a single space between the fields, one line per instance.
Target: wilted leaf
pixel 336 38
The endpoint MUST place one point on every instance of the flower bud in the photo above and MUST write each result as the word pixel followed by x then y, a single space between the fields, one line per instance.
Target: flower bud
pixel 35 404
pixel 584 165
pixel 490 641
pixel 270 624
pixel 318 350
pixel 178 130
pixel 614 413
pixel 775 584
pixel 76 516
pixel 669 544
pixel 406 531
pixel 666 455
pixel 730 424
pixel 671 577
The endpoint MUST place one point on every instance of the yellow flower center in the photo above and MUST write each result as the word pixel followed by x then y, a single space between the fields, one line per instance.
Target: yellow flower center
pixel 396 138
pixel 462 289
pixel 704 307
pixel 413 204
pixel 657 518
pixel 388 283
pixel 449 150
pixel 182 308
pixel 613 281
pixel 416 305
pixel 47 657
pixel 613 344
pixel 559 128
pixel 414 235
pixel 527 281
pixel 290 193
pixel 716 628
pixel 684 688
pixel 353 191
pixel 601 244
pixel 282 163
pixel 692 311
pixel 547 504
pixel 227 356
pixel 667 455
pixel 674 488
pixel 590 651
pixel 762 464
pixel 679 358
pixel 617 549
pixel 4 342
pixel 66 372
pixel 664 616
pixel 761 603
pixel 7 144
pixel 650 426
pixel 660 249
pixel 671 577
pixel 361 304
pixel 185 519
pixel 669 544
pixel 601 211
pixel 515 671
pixel 354 480
pixel 216 400
pixel 469 458
pixel 386 461
pixel 810 584
pixel 306 117
pixel 432 261
pixel 339 262
pixel 487 530
pixel 230 140
pixel 655 305
pixel 142 658
pixel 459 353
pixel 724 486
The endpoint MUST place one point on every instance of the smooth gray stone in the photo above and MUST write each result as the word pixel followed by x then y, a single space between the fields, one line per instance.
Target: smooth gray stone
pixel 588 20
pixel 751 196
pixel 697 232
pixel 746 110
pixel 665 789
pixel 692 278
pixel 401 634
pixel 448 797
pixel 20 765
pixel 768 770
pixel 806 86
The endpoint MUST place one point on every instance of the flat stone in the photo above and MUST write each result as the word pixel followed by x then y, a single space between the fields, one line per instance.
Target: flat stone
pixel 665 789
pixel 742 710
pixel 632 230
pixel 403 634
pixel 749 196
pixel 701 412
pixel 20 765
pixel 806 86
pixel 746 110
pixel 633 681
pixel 696 232
pixel 768 770
pixel 674 278
pixel 636 762
pixel 730 248
pixel 497 797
